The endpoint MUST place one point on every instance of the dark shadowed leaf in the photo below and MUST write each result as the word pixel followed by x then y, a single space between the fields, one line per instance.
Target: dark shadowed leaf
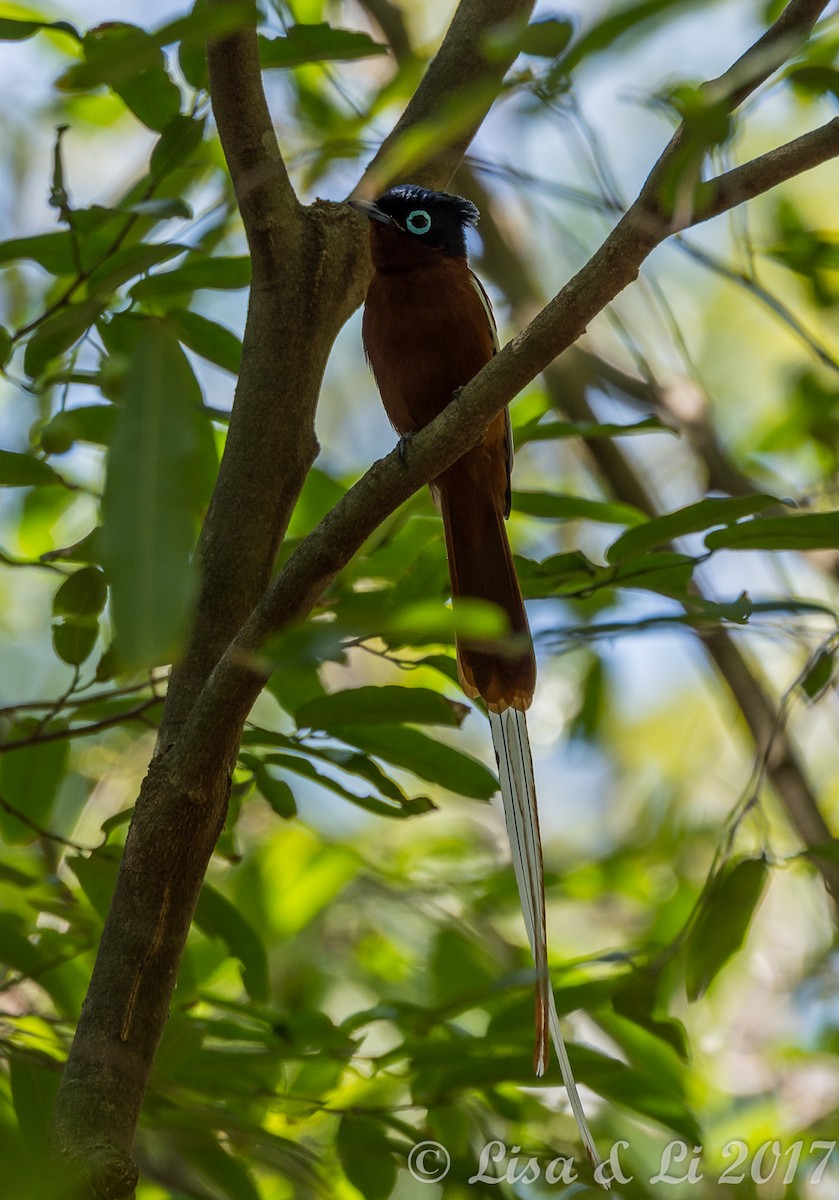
pixel 58 333
pixel 149 504
pixel 52 251
pixel 73 640
pixel 217 917
pixel 276 791
pixel 90 423
pixel 317 43
pixel 692 519
pixel 380 705
pixel 431 760
pixel 548 431
pixel 723 922
pixel 22 470
pixel 212 341
pixel 178 141
pixel 16 31
pixel 366 1157
pixel 818 677
pixel 83 594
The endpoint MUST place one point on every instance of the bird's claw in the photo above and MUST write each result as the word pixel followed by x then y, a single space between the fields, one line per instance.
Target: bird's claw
pixel 402 446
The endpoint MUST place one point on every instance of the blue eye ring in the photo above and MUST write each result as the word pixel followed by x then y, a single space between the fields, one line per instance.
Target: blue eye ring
pixel 418 221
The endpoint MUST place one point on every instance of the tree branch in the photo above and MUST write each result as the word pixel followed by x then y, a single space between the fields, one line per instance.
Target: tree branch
pixel 270 210
pixel 293 317
pixel 762 174
pixel 462 70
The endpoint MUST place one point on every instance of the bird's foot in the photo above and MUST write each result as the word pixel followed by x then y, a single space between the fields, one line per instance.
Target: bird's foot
pixel 402 446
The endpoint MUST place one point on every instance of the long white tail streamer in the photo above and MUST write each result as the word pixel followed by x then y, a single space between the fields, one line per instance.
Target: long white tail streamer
pixel 518 793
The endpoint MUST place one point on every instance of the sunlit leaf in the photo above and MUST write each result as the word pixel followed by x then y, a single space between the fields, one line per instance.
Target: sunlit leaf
pixel 217 917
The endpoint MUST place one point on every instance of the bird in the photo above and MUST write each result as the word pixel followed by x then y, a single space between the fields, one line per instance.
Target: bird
pixel 428 328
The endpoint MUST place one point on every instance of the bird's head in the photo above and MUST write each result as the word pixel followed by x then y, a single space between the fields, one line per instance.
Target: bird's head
pixel 434 220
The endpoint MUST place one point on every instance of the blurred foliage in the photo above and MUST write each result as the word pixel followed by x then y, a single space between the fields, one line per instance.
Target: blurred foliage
pixel 356 980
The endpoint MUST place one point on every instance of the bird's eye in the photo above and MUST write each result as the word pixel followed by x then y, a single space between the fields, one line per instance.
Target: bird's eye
pixel 418 221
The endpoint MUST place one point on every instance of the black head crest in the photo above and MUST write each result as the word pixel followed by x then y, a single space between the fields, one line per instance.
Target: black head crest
pixel 438 219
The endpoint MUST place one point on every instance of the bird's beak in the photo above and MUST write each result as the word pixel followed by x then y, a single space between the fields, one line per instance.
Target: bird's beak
pixel 368 209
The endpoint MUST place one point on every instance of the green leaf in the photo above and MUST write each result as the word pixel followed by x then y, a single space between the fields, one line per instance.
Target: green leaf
pixel 58 333
pixel 618 22
pixel 150 499
pixel 124 264
pixel 316 43
pixel 83 594
pixel 74 640
pixel 52 251
pixel 818 677
pixel 723 921
pixel 809 531
pixel 176 145
pixel 6 346
pixel 230 1174
pixel 223 273
pixel 90 423
pixel 276 791
pixel 366 1157
pixel 17 31
pixel 354 763
pixel 434 761
pixel 386 705
pixel 396 804
pixel 128 60
pixel 565 508
pixel 692 519
pixel 212 341
pixel 815 80
pixel 545 431
pixel 547 38
pixel 218 918
pixel 29 780
pixel 34 1086
pixel 660 571
pixel 22 470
